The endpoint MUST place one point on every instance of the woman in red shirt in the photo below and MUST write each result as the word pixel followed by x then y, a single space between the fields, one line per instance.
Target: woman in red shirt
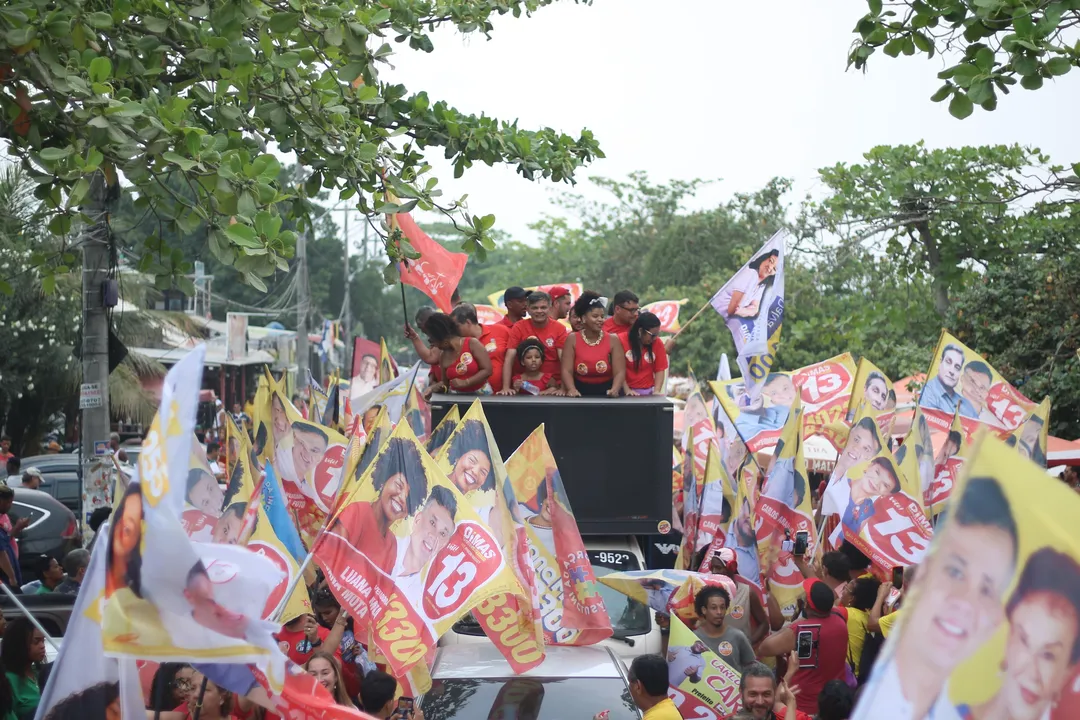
pixel 593 363
pixel 646 359
pixel 465 363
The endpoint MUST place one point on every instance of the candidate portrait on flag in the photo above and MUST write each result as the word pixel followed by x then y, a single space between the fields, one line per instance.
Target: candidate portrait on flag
pixel 744 302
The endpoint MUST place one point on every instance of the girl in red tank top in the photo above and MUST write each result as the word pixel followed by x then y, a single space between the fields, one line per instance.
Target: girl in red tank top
pixel 593 361
pixel 465 363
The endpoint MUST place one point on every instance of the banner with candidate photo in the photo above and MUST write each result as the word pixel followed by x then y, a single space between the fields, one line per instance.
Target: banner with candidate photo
pixel 572 611
pixel 961 382
pixel 948 466
pixel 1030 439
pixel 825 389
pixel 741 538
pixel 472 462
pixel 407 556
pixel 715 498
pixel 752 305
pixel 915 456
pixel 990 626
pixel 701 685
pixel 758 420
pixel 739 463
pixel 872 387
pixel 877 505
pixel 784 514
pixel 442 431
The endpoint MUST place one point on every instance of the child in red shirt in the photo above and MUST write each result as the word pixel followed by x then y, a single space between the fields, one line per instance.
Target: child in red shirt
pixel 532 380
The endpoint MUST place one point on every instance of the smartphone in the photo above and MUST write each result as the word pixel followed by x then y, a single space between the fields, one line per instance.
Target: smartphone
pixel 802 541
pixel 805 644
pixel 898 577
pixel 405 706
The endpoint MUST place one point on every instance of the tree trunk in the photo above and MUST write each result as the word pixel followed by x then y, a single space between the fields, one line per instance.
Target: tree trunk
pixel 933 259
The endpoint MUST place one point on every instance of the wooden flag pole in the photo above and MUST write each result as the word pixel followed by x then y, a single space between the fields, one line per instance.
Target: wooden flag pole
pixel 671 342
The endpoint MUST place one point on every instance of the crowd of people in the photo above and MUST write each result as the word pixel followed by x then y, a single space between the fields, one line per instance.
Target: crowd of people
pixel 545 345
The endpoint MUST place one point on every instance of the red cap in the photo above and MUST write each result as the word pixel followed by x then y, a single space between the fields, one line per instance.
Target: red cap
pixel 824 601
pixel 558 291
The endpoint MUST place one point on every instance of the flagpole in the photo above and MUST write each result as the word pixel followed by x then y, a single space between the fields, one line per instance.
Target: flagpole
pixel 708 303
pixel 31 618
pixel 292 586
pixel 199 702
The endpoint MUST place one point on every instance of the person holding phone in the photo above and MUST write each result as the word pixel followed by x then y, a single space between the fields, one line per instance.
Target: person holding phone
pixel 377 696
pixel 820 638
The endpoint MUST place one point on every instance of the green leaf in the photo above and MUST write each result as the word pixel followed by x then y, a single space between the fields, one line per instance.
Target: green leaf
pixel 254 281
pixel 60 224
pixel 943 92
pixel 1058 66
pixel 20 36
pixel 288 60
pixel 922 42
pixel 48 284
pixel 875 7
pixel 243 235
pixel 284 22
pixel 984 59
pixel 1031 82
pixel 55 154
pixel 193 143
pixel 176 159
pixel 961 106
pixel 980 92
pixel 1025 65
pixel 99 20
pixel 154 24
pixel 100 69
pixel 487 222
pixel 367 152
pixel 78 192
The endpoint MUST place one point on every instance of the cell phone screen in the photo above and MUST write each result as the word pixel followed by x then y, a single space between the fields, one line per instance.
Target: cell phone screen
pixel 802 540
pixel 405 705
pixel 805 644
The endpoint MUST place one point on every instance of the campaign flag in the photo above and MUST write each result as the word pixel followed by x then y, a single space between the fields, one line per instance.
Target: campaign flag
pixel 442 431
pixel 407 556
pixel 489 314
pixel 471 460
pixel 365 362
pixel 717 497
pixel 701 684
pixel 759 420
pixel 417 413
pixel 879 507
pixel 681 602
pixel 696 418
pixel 961 382
pixel 916 456
pixel 497 300
pixel 572 611
pixel 784 511
pixel 752 305
pixel 677 501
pixel 658 589
pixel 388 368
pixel 1030 439
pixel 1009 555
pixel 876 390
pixel 667 311
pixel 741 537
pixel 264 412
pixel 739 463
pixel 391 394
pixel 83 683
pixel 377 437
pixel 437 271
pixel 948 464
pixel 825 388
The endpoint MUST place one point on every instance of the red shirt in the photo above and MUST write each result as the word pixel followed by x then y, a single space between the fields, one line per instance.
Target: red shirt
pixel 507 321
pixel 830 656
pixel 653 360
pixel 464 365
pixel 552 335
pixel 592 363
pixel 300 649
pixel 357 524
pixel 493 338
pixel 543 383
pixel 610 326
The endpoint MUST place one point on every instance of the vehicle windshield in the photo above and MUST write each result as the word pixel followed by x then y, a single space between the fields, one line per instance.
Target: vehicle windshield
pixel 628 617
pixel 520 698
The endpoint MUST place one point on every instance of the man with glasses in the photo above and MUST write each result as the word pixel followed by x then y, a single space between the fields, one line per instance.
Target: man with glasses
pixel 624 314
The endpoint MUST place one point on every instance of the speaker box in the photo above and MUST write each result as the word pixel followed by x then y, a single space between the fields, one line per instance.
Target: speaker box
pixel 614 454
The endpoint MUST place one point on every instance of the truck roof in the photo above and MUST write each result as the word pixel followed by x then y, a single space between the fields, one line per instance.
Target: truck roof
pixel 483 660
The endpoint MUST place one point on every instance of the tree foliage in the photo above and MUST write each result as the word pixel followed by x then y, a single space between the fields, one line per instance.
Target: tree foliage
pixel 996 43
pixel 160 90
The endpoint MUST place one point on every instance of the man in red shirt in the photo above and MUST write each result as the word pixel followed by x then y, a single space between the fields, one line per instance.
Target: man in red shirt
pixel 625 313
pixel 515 300
pixel 550 333
pixel 560 302
pixel 492 337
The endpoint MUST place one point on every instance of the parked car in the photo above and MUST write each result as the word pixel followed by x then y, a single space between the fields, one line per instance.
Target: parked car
pixel 53 528
pixel 52 610
pixel 474 682
pixel 61 477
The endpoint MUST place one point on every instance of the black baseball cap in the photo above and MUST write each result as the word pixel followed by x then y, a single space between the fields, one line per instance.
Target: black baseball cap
pixel 515 293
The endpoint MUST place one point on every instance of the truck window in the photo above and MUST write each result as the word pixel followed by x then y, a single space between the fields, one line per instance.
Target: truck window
pixel 628 617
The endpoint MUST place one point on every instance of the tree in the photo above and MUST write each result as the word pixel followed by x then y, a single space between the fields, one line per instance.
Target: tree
pixel 938 211
pixel 994 41
pixel 158 89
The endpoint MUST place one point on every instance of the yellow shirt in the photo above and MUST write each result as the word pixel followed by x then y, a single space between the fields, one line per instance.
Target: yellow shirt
pixel 856 630
pixel 886 623
pixel 663 710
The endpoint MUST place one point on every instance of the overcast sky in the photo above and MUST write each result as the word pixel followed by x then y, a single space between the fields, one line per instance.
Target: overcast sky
pixel 737 91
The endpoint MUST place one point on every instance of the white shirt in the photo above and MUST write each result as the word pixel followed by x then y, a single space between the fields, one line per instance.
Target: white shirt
pixel 411 586
pixel 837 496
pixel 884 699
pixel 684 660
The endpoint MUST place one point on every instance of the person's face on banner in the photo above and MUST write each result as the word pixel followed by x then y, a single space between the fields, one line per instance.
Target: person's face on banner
pixel 960 590
pixel 1030 433
pixel 1042 630
pixel 307 452
pixel 875 482
pixel 471 471
pixel 780 391
pixel 370 416
pixel 698 647
pixel 227 529
pixel 768 266
pixel 393 499
pixel 695 411
pixel 431 532
pixel 207 612
pixel 130 531
pixel 278 417
pixel 877 394
pixel 206 495
pixel 369 369
pixel 976 387
pixel 949 369
pixel 545 510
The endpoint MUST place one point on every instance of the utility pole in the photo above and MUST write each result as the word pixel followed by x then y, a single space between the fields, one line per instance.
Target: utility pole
pixel 302 352
pixel 346 321
pixel 94 425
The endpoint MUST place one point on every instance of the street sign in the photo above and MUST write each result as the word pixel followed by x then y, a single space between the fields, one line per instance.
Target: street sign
pixel 90 396
pixel 101 447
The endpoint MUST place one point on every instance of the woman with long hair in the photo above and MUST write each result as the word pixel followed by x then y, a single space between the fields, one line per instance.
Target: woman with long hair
pixel 646 359
pixel 172 686
pixel 124 566
pixel 326 670
pixel 465 364
pixel 21 654
pixel 593 361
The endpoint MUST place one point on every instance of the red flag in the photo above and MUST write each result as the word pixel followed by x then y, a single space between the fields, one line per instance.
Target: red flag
pixel 437 272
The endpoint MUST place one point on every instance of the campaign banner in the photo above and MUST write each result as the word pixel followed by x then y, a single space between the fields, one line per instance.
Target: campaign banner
pixel 715 506
pixel 752 305
pixel 758 420
pixel 656 588
pixel 489 314
pixel 667 311
pixel 471 460
pixel 741 538
pixel 825 389
pixel 697 418
pixel 915 456
pixel 391 395
pixel 496 298
pixel 388 367
pixel 961 382
pixel 442 431
pixel 365 365
pixel 572 611
pixel 784 512
pixel 701 685
pixel 437 271
pixel 878 506
pixel 407 556
pixel 948 465
pixel 676 488
pixel 681 602
pixel 417 413
pixel 1030 439
pixel 739 463
pixel 991 622
pixel 876 390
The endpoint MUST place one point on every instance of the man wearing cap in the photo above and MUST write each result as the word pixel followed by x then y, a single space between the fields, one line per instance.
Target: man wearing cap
pixel 515 300
pixel 560 302
pixel 823 646
pixel 746 604
pixel 31 479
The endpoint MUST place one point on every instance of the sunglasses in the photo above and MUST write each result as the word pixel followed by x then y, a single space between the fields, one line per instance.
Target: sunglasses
pixel 631 310
pixel 651 334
